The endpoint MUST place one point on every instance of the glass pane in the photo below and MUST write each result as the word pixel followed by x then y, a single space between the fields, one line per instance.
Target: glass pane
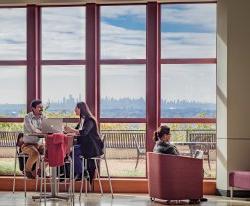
pixel 123 32
pixel 122 141
pixel 188 90
pixel 13 91
pixel 62 88
pixel 63 33
pixel 189 138
pixel 13 34
pixel 123 91
pixel 8 136
pixel 188 31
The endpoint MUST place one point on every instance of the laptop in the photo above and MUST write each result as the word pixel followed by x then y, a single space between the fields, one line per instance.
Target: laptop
pixel 52 125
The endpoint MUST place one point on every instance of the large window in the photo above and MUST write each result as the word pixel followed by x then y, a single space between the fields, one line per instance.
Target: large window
pixel 125 149
pixel 188 31
pixel 123 86
pixel 123 91
pixel 70 88
pixel 13 91
pixel 118 79
pixel 188 78
pixel 63 33
pixel 13 50
pixel 188 50
pixel 188 90
pixel 13 34
pixel 123 34
pixel 63 43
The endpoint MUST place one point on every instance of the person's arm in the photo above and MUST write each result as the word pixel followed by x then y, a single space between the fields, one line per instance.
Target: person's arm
pixel 29 126
pixel 68 129
pixel 173 150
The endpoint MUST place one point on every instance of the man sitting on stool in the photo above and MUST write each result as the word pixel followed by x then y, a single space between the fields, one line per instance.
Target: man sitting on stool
pixel 32 145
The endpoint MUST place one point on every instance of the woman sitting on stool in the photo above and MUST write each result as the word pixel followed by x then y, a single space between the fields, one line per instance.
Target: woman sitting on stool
pixel 89 143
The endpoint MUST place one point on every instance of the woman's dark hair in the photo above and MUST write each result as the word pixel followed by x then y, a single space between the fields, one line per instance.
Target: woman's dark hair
pixel 85 111
pixel 164 129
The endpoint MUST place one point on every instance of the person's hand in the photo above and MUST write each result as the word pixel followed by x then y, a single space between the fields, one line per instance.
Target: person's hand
pixel 67 129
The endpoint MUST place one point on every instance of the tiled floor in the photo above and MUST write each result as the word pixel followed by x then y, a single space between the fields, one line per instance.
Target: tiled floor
pixel 8 199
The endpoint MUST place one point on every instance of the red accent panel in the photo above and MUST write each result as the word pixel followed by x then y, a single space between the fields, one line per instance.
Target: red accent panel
pixel 153 72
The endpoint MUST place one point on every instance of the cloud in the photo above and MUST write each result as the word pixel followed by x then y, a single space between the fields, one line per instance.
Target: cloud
pixel 200 15
pixel 188 45
pixel 114 12
pixel 63 33
pixel 13 34
pixel 118 42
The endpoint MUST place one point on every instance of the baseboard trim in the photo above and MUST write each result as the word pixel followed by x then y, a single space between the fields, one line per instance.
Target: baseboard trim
pixel 120 185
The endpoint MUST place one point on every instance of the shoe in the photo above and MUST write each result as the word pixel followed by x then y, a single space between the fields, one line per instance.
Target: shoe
pixel 78 177
pixel 194 201
pixel 29 175
pixel 39 173
pixel 203 199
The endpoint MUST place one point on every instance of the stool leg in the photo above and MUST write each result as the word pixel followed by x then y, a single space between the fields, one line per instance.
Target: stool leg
pixel 231 192
pixel 14 181
pixel 98 176
pixel 86 181
pixel 110 184
pixel 41 181
pixel 82 178
pixel 45 181
pixel 71 180
pixel 25 177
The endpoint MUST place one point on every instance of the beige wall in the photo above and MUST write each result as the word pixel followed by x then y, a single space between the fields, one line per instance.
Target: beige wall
pixel 233 88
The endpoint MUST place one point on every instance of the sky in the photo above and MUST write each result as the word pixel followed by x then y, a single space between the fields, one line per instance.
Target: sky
pixel 188 31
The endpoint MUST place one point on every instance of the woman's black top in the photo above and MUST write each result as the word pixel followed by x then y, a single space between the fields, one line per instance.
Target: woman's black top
pixel 89 139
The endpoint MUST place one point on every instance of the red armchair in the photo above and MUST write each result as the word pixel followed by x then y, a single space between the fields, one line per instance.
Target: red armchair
pixel 173 177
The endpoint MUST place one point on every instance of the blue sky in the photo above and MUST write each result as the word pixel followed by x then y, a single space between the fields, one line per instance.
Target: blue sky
pixel 188 31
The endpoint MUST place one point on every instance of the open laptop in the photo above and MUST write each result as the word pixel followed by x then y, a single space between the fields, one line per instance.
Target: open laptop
pixel 52 125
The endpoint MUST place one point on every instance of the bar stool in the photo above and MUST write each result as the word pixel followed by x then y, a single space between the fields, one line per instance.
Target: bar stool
pixel 99 158
pixel 23 157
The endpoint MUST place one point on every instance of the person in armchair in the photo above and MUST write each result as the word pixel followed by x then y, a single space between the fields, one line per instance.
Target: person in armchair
pixel 162 141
